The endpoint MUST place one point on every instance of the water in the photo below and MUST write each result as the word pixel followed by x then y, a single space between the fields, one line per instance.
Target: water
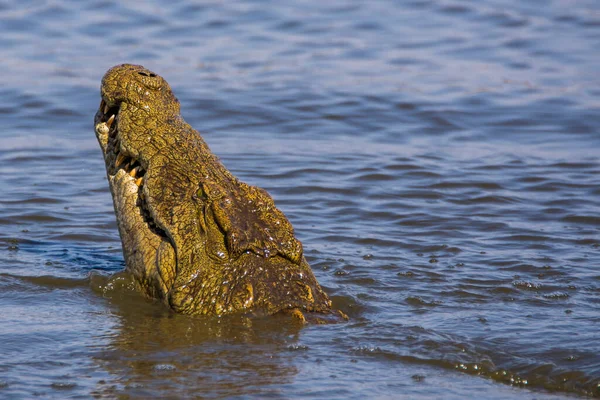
pixel 438 159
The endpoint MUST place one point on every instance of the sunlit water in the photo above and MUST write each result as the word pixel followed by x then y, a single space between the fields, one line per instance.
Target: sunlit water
pixel 438 159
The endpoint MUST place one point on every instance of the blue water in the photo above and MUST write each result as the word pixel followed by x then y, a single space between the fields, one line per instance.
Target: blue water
pixel 439 161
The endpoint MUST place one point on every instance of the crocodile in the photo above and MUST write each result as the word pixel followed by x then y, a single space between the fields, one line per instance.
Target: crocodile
pixel 193 235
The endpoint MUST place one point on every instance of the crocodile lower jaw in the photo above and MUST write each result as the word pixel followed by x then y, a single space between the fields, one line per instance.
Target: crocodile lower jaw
pixel 116 160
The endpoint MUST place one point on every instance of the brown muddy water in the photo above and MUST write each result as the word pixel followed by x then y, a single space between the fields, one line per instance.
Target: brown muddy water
pixel 438 159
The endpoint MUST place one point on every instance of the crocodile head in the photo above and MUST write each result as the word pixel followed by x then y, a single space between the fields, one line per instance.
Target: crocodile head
pixel 193 235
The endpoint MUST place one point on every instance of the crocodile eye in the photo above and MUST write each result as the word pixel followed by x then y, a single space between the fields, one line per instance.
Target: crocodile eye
pixel 201 194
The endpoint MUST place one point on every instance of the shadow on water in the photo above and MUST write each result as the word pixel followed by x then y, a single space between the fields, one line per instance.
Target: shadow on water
pixel 154 352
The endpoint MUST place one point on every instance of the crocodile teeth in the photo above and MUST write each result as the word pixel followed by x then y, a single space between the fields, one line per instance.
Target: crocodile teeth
pixel 134 171
pixel 105 108
pixel 102 129
pixel 110 121
pixel 102 104
pixel 139 181
pixel 120 159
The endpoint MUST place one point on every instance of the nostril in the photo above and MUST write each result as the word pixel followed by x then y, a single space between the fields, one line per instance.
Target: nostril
pixel 150 74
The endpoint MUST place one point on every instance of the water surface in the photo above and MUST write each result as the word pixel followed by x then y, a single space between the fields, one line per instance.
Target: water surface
pixel 438 159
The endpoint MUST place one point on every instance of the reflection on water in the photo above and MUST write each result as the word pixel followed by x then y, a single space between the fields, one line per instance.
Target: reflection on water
pixel 159 352
pixel 438 159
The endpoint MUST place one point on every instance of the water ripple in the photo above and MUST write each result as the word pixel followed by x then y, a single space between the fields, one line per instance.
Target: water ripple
pixel 438 159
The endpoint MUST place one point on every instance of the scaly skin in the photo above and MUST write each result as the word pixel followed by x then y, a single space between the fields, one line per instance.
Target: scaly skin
pixel 193 235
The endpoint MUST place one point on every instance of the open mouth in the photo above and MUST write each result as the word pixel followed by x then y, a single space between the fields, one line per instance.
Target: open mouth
pixel 116 160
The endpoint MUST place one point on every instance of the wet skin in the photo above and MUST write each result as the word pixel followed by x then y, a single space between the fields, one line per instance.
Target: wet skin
pixel 193 235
